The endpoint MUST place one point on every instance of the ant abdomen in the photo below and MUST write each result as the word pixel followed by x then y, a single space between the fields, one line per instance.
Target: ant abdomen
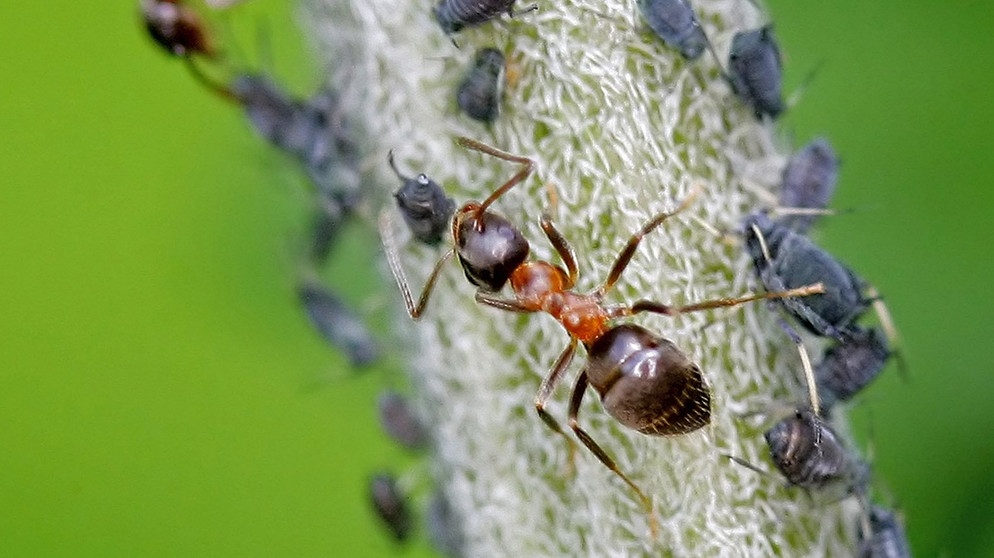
pixel 489 248
pixel 647 383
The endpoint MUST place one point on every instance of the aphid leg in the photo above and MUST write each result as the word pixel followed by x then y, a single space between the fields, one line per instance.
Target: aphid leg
pixel 574 409
pixel 393 260
pixel 545 391
pixel 527 166
pixel 626 254
pixel 512 12
pixel 659 308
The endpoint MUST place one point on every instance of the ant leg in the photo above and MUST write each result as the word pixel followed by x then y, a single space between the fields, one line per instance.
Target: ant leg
pixel 574 409
pixel 659 308
pixel 393 261
pixel 625 256
pixel 506 304
pixel 220 89
pixel 548 386
pixel 527 165
pixel 562 247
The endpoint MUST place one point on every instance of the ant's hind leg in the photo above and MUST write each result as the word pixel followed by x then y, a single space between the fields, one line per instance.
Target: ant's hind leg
pixel 574 409
pixel 548 386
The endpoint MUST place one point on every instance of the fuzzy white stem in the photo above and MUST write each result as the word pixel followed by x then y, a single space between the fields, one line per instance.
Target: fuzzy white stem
pixel 624 128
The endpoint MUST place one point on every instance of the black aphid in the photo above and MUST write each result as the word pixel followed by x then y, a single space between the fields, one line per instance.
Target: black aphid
pixel 808 452
pixel 850 365
pixel 390 505
pixel 675 23
pixel 399 421
pixel 784 259
pixel 337 324
pixel 424 205
pixel 755 72
pixel 481 90
pixel 454 15
pixel 886 537
pixel 808 182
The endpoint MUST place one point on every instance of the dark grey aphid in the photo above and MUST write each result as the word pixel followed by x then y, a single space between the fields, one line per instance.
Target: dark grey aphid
pixel 784 259
pixel 337 324
pixel 808 182
pixel 314 131
pixel 444 529
pixel 481 90
pixel 755 71
pixel 399 421
pixel 809 453
pixel 675 23
pixel 850 365
pixel 424 205
pixel 390 505
pixel 454 15
pixel 886 538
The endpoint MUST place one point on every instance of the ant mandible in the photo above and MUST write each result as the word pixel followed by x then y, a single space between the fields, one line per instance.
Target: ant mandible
pixel 645 382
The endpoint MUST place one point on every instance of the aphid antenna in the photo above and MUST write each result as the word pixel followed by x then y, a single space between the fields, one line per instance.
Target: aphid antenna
pixel 809 376
pixel 795 97
pixel 784 210
pixel 750 466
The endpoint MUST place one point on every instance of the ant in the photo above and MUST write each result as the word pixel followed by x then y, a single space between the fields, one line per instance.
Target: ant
pixel 644 380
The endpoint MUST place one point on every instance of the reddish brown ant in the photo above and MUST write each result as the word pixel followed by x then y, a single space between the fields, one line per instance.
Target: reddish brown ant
pixel 645 382
pixel 176 27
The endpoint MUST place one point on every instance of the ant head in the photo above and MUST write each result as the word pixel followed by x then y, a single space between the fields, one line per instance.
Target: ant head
pixel 176 28
pixel 489 247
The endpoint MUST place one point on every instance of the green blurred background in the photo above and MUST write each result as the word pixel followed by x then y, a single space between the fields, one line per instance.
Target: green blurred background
pixel 162 394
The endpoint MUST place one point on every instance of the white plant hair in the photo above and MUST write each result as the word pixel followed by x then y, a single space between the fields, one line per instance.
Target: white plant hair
pixel 624 128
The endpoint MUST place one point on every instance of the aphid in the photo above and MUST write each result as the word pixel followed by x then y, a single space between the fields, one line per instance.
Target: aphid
pixel 809 453
pixel 808 182
pixel 675 23
pixel 850 365
pixel 390 505
pixel 314 131
pixel 423 204
pixel 784 259
pixel 337 324
pixel 883 536
pixel 755 72
pixel 400 422
pixel 454 15
pixel 481 90
pixel 645 382
pixel 176 27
